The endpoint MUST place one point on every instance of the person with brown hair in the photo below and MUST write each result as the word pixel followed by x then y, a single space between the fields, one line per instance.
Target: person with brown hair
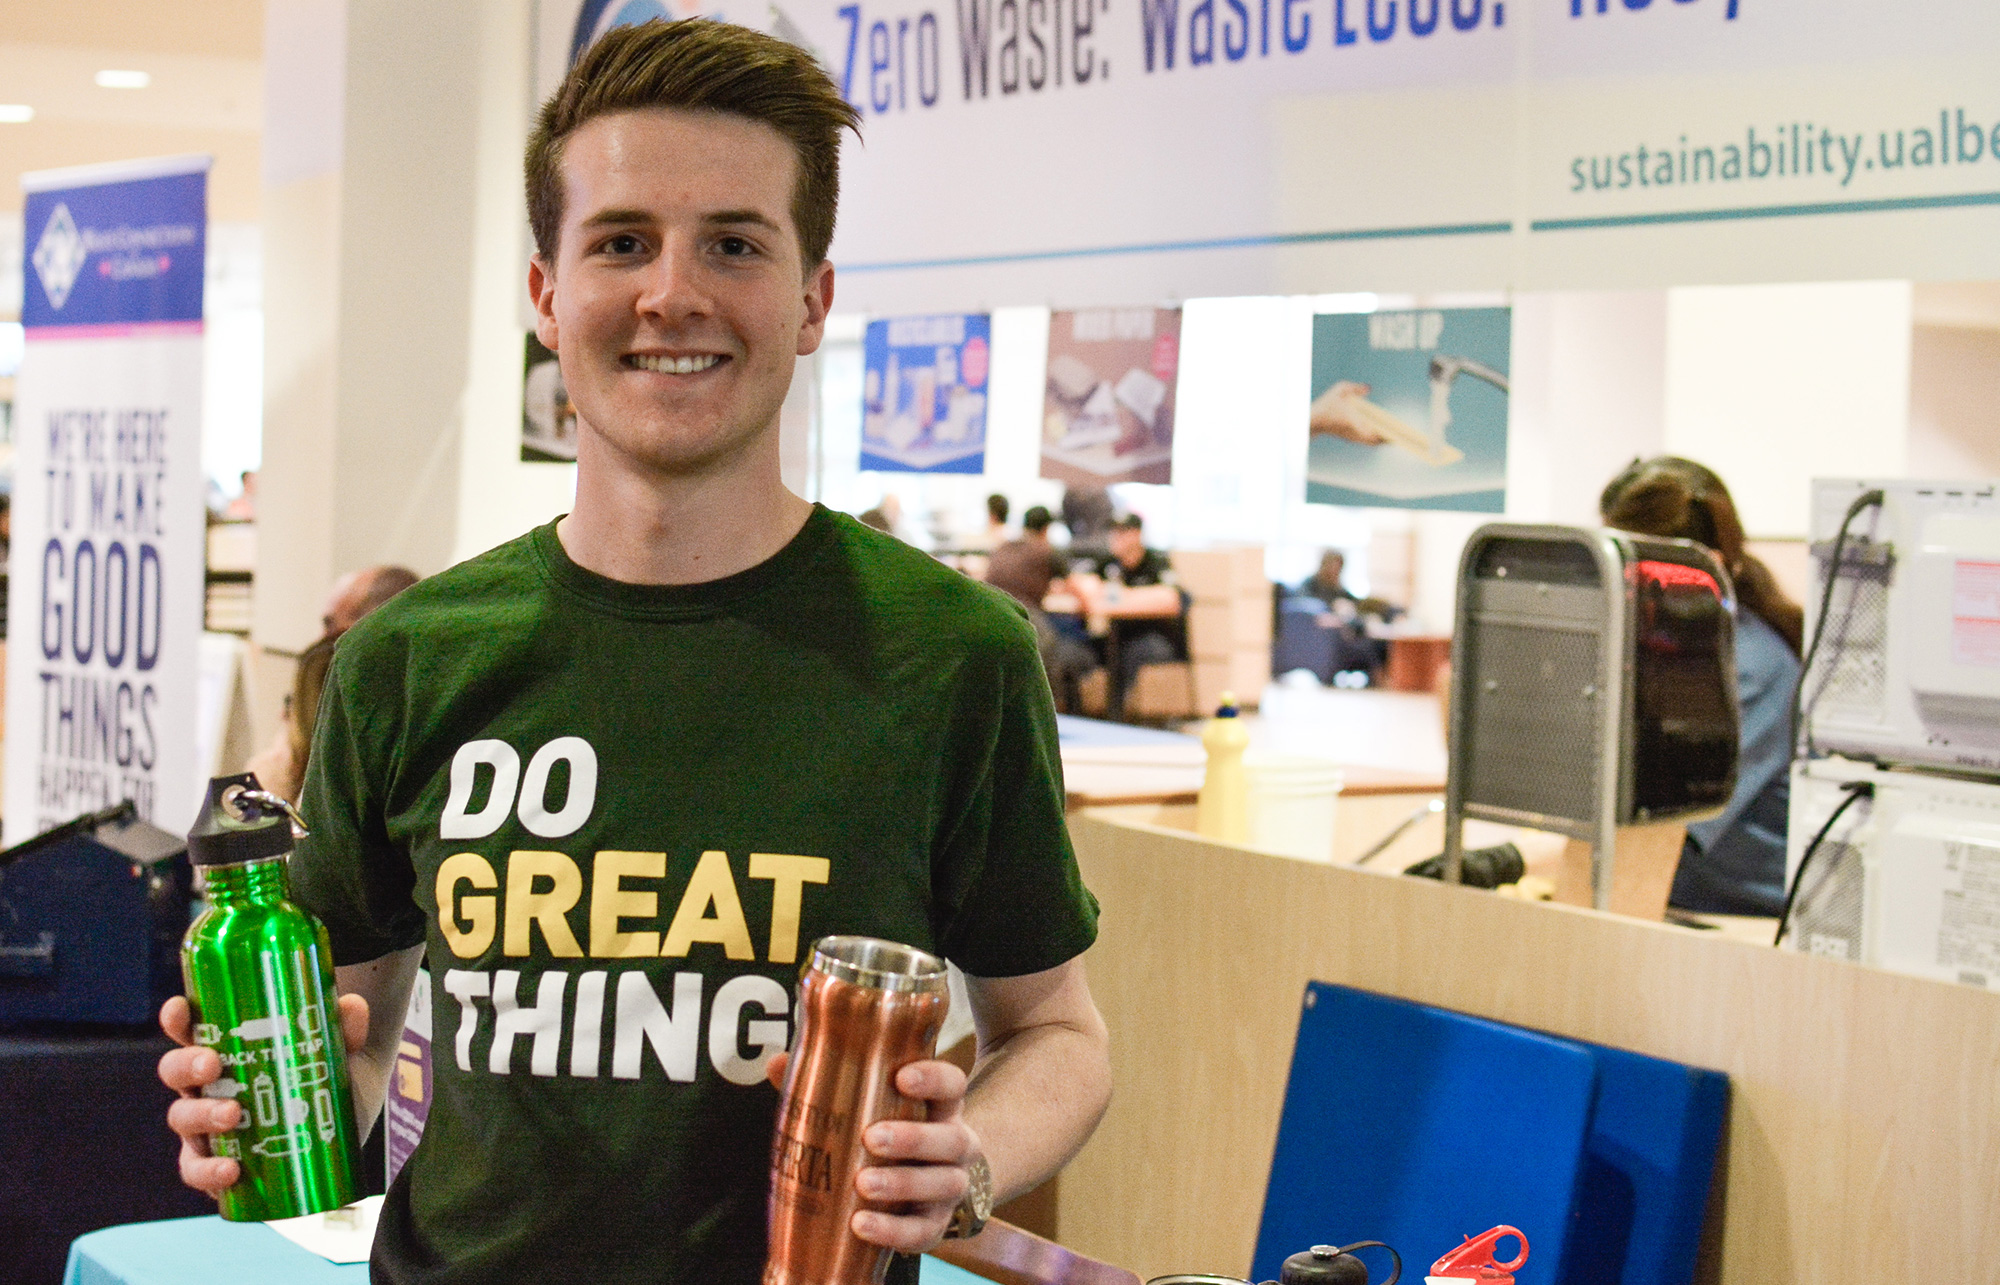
pixel 281 766
pixel 1734 863
pixel 616 776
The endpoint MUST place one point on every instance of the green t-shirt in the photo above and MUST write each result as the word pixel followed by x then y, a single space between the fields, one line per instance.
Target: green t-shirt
pixel 617 816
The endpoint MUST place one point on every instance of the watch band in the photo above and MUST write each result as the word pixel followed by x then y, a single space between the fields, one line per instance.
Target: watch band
pixel 976 1205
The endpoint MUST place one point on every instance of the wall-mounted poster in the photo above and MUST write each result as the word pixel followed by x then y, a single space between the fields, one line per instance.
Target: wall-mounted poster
pixel 1108 413
pixel 1409 410
pixel 548 420
pixel 924 394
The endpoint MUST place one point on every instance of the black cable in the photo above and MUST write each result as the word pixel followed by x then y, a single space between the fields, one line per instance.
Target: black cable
pixel 1865 500
pixel 1855 790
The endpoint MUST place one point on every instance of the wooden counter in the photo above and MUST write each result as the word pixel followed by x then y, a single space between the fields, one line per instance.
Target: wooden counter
pixel 1864 1127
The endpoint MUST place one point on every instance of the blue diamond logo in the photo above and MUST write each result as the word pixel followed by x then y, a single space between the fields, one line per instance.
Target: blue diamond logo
pixel 59 256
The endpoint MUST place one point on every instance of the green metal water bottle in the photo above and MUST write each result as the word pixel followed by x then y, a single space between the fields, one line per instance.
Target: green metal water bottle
pixel 259 976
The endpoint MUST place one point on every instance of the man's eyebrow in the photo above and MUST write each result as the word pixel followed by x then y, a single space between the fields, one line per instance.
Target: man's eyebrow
pixel 617 218
pixel 756 217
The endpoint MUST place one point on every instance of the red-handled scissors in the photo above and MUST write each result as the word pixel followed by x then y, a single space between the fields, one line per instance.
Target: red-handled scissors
pixel 1474 1261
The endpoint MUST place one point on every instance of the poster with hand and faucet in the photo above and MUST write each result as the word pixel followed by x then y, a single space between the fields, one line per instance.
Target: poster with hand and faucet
pixel 1409 409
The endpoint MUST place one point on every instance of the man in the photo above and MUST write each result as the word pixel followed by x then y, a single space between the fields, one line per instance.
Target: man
pixel 1327 583
pixel 995 534
pixel 1352 649
pixel 357 593
pixel 1136 565
pixel 1131 564
pixel 1026 569
pixel 617 775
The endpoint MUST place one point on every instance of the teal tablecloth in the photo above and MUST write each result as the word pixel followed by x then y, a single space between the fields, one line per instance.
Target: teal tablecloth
pixel 209 1251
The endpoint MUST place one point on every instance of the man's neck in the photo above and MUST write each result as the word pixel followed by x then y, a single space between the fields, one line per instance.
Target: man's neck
pixel 646 527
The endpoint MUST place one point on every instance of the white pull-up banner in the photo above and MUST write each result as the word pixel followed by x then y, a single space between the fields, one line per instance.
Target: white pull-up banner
pixel 109 534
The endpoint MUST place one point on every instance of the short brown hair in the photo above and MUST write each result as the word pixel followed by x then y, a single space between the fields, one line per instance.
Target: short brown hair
pixel 699 65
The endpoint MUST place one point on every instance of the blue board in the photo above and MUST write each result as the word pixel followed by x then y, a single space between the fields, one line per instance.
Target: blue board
pixel 1648 1164
pixel 1418 1126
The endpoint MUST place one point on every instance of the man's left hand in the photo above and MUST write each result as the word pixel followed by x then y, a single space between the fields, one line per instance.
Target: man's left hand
pixel 917 1167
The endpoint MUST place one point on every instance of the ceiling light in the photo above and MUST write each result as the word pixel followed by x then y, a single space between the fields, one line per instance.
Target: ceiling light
pixel 123 79
pixel 16 113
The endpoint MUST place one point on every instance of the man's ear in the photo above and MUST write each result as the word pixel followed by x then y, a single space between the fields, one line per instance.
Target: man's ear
pixel 542 293
pixel 819 301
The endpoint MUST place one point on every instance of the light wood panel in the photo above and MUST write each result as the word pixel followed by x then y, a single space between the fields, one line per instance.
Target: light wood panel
pixel 1864 1134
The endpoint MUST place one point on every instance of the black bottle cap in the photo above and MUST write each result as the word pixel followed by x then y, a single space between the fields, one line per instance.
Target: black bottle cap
pixel 240 821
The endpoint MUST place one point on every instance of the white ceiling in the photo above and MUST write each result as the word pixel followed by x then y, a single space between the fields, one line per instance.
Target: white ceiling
pixel 205 58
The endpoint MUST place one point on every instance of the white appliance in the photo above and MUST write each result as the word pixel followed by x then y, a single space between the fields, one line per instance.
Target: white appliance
pixel 1908 879
pixel 1907 669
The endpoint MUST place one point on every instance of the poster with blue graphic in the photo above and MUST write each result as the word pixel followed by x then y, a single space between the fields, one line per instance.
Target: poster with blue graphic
pixel 1409 409
pixel 924 394
pixel 109 527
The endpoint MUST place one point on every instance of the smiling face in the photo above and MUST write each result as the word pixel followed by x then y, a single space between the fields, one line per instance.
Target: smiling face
pixel 678 300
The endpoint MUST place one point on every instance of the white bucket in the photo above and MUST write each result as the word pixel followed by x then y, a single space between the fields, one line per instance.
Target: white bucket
pixel 1292 799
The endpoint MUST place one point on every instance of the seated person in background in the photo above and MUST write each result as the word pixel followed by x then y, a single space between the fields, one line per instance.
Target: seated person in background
pixel 1735 863
pixel 357 593
pixel 1353 649
pixel 995 533
pixel 1028 568
pixel 281 766
pixel 1131 564
pixel 1326 584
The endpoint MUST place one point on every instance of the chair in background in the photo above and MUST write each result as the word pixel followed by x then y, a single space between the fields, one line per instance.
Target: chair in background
pixel 1164 691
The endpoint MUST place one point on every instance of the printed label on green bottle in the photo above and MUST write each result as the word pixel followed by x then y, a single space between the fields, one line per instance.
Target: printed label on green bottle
pixel 277 1067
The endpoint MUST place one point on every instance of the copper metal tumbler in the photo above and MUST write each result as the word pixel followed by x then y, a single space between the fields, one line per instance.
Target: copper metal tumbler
pixel 866 1009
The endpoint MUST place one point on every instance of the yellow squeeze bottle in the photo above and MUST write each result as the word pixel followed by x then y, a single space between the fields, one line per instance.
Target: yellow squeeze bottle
pixel 1222 807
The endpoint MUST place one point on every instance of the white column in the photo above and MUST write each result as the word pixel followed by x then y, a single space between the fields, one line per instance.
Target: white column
pixel 395 259
pixel 1772 386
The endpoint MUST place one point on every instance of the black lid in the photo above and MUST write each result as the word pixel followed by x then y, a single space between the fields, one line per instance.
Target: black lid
pixel 240 821
pixel 1331 1265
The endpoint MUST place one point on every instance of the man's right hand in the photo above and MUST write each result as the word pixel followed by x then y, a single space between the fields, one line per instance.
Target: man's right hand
pixel 188 1069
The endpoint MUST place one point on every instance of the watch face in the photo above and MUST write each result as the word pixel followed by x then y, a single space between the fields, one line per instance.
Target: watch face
pixel 980 1195
pixel 976 1206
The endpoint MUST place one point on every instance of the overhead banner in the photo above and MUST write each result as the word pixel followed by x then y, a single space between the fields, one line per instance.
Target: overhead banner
pixel 1179 148
pixel 924 394
pixel 1409 410
pixel 1150 149
pixel 1108 412
pixel 109 529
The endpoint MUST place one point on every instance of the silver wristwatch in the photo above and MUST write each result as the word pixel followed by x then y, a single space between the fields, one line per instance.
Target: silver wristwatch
pixel 976 1206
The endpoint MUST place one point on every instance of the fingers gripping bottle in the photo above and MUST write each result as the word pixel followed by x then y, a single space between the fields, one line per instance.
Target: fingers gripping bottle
pixel 259 974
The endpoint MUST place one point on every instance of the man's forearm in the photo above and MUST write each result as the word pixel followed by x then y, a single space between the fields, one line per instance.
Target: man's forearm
pixel 385 984
pixel 1035 1098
